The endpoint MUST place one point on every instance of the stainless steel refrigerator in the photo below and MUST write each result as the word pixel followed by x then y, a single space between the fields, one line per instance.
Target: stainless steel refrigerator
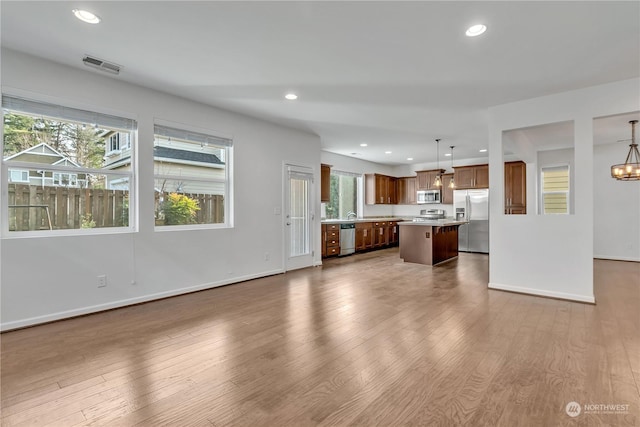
pixel 472 206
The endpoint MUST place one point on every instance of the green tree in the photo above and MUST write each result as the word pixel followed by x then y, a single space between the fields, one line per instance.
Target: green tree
pixel 19 133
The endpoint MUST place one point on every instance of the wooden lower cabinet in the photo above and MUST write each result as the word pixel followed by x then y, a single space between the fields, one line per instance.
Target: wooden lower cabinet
pixel 380 234
pixel 393 233
pixel 369 235
pixel 364 236
pixel 330 240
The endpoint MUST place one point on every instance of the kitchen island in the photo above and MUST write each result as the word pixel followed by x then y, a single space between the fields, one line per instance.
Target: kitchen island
pixel 429 242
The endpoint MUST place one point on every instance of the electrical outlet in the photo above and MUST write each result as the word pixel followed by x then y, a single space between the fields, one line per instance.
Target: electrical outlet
pixel 102 281
pixel 266 256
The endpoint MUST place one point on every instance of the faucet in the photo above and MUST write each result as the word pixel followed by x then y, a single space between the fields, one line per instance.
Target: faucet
pixel 350 213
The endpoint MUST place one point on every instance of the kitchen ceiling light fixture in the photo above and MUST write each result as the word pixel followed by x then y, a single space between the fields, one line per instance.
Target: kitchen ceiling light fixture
pixel 86 16
pixel 475 30
pixel 438 181
pixel 452 184
pixel 387 152
pixel 291 96
pixel 409 158
pixel 363 145
pixel 484 150
pixel 630 169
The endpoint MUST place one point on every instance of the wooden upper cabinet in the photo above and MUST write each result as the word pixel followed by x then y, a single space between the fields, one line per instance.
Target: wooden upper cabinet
pixel 427 178
pixel 447 191
pixel 392 190
pixel 515 188
pixel 470 177
pixel 325 183
pixel 380 189
pixel 407 190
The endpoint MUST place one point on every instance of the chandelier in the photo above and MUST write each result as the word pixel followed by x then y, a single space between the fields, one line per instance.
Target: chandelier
pixel 630 169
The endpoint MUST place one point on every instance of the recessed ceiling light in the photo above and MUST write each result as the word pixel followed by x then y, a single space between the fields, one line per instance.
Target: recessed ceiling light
pixel 484 150
pixel 86 16
pixel 363 145
pixel 447 154
pixel 476 30
pixel 291 96
pixel 387 152
pixel 409 158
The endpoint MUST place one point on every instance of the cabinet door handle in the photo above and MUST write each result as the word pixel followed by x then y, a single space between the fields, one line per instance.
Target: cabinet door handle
pixel 365 232
pixel 381 231
pixel 325 236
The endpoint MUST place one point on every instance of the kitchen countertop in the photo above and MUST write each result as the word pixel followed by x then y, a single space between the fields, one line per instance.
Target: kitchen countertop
pixel 435 222
pixel 378 219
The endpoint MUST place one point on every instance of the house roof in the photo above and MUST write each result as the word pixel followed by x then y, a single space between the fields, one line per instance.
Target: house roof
pixel 42 153
pixel 191 156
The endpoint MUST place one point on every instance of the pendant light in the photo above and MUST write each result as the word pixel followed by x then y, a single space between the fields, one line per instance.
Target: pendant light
pixel 630 170
pixel 452 184
pixel 438 181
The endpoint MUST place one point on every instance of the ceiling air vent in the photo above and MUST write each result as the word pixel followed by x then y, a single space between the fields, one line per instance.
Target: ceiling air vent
pixel 100 64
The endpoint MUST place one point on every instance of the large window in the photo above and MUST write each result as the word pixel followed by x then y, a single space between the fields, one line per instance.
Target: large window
pixel 344 195
pixel 55 172
pixel 191 171
pixel 555 190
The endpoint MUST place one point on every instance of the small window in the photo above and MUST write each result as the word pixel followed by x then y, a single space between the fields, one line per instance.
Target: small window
pixel 56 172
pixel 191 174
pixel 65 179
pixel 555 190
pixel 118 141
pixel 16 175
pixel 343 199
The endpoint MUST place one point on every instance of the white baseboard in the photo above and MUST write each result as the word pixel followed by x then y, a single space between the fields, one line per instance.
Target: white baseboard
pixel 617 258
pixel 7 326
pixel 539 292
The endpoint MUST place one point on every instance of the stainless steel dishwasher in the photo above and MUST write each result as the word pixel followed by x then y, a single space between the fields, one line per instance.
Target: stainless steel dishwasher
pixel 347 238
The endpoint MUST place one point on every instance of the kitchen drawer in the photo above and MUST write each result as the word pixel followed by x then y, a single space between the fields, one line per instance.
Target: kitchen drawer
pixel 333 227
pixel 332 243
pixel 379 224
pixel 361 225
pixel 333 235
pixel 333 251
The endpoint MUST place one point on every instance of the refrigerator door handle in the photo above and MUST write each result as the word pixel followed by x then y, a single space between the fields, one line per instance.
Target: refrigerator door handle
pixel 468 203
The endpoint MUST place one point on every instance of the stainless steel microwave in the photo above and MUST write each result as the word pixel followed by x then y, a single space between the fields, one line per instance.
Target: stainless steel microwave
pixel 429 196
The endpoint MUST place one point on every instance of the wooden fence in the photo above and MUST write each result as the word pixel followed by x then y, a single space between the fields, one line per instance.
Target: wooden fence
pixel 31 207
pixel 40 208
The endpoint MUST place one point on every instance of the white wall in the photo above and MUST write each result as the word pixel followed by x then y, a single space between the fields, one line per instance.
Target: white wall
pixel 44 279
pixel 541 254
pixel 616 218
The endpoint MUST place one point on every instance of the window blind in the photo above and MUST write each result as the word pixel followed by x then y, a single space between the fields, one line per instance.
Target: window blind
pixel 185 135
pixel 52 111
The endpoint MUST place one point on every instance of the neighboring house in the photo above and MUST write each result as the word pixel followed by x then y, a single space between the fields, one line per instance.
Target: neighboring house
pixel 191 164
pixel 47 155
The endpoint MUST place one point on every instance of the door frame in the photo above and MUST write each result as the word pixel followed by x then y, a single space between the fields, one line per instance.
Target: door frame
pixel 312 207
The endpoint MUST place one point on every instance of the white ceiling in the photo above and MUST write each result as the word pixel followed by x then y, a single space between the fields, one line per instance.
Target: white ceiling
pixel 394 75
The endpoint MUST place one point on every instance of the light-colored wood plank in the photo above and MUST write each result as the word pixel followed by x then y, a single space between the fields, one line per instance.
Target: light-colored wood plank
pixel 364 340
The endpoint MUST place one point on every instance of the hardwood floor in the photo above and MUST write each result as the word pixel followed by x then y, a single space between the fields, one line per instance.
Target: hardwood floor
pixel 364 340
